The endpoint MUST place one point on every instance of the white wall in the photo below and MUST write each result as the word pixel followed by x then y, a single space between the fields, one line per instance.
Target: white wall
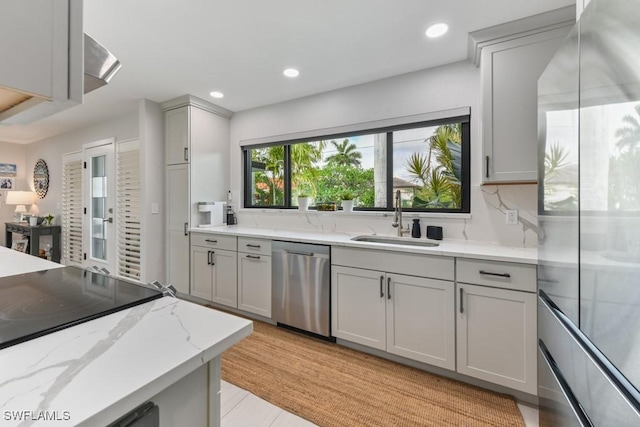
pixel 442 88
pixel 13 154
pixel 153 167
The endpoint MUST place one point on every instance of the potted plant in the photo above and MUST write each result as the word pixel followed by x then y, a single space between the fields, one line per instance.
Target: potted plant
pixel 347 201
pixel 303 202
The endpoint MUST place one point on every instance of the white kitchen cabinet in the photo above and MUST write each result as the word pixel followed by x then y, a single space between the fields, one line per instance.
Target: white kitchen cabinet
pixel 214 275
pixel 254 276
pixel 177 250
pixel 42 58
pixel 496 326
pixel 404 315
pixel 358 306
pixel 177 134
pixel 509 108
pixel 199 130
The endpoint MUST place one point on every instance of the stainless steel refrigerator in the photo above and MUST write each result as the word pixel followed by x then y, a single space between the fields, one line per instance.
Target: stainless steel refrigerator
pixel 589 222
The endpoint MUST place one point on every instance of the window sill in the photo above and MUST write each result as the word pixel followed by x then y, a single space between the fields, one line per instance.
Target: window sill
pixel 366 214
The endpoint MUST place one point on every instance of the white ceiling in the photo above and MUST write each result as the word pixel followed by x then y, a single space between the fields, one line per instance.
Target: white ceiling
pixel 170 48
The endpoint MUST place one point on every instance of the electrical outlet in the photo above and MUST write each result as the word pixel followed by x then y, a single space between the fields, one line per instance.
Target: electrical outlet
pixel 512 216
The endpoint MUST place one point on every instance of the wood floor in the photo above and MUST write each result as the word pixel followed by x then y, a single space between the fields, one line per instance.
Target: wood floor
pixel 241 408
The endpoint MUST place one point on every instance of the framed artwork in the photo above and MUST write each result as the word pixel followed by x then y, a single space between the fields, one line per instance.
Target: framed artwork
pixel 7 183
pixel 8 169
pixel 19 245
pixel 41 178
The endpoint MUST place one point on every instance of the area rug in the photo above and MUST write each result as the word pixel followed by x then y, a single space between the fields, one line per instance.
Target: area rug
pixel 331 385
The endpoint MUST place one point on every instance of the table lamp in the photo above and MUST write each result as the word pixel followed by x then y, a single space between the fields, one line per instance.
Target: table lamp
pixel 20 199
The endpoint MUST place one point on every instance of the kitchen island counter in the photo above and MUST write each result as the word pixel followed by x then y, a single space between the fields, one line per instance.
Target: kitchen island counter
pixel 166 350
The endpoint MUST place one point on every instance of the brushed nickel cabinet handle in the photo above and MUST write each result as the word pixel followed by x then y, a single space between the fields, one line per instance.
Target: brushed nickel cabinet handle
pixel 186 154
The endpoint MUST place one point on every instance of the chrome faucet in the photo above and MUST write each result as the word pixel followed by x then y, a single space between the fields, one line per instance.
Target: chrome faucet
pixel 397 217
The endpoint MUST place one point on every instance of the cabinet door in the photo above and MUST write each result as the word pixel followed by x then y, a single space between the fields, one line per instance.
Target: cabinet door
pixel 496 336
pixel 201 272
pixel 177 250
pixel 420 319
pixel 254 284
pixel 225 278
pixel 358 299
pixel 177 135
pixel 510 72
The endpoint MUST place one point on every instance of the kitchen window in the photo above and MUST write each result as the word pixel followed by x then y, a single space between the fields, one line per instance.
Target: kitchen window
pixel 428 162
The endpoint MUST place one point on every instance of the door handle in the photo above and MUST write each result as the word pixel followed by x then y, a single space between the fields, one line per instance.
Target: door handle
pixel 381 287
pixel 186 154
pixel 186 224
pixel 388 287
pixel 109 220
pixel 300 253
pixel 461 300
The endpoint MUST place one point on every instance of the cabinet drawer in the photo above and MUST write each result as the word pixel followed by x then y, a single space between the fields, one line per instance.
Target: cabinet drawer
pixel 519 277
pixel 214 241
pixel 436 267
pixel 254 246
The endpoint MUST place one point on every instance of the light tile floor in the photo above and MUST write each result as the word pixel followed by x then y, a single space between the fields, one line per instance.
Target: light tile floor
pixel 239 408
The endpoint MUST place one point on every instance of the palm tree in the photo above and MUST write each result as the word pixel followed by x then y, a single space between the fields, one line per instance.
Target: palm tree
pixel 304 170
pixel 347 154
pixel 441 181
pixel 630 134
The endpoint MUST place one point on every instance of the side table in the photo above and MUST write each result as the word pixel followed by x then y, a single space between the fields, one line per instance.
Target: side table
pixel 33 233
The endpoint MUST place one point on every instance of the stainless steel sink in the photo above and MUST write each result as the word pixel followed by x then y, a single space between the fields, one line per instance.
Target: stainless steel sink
pixel 394 240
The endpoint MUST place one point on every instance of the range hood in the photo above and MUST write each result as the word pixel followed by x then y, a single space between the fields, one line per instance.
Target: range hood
pixel 98 65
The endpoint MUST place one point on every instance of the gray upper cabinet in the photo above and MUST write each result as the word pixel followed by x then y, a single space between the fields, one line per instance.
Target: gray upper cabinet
pixel 510 65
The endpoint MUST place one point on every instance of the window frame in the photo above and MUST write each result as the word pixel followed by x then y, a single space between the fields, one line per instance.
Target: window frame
pixel 464 120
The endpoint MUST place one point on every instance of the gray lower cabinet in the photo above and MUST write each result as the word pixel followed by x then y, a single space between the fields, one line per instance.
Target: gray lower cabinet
pixel 403 315
pixel 496 325
pixel 214 275
pixel 254 276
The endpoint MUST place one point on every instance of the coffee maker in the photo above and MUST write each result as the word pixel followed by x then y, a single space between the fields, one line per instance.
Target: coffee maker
pixel 211 214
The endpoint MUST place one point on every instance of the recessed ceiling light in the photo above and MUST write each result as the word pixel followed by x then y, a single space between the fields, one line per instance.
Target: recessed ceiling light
pixel 437 30
pixel 291 72
pixel 217 94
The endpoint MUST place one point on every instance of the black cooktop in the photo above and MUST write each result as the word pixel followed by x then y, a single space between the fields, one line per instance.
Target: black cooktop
pixel 35 304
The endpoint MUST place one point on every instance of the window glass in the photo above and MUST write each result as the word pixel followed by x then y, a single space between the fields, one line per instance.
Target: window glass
pixel 427 162
pixel 267 176
pixel 427 166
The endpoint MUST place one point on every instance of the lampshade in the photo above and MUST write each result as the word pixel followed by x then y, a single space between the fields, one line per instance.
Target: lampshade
pixel 20 197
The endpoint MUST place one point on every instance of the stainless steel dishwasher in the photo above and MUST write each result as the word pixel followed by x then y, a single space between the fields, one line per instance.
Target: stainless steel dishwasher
pixel 301 279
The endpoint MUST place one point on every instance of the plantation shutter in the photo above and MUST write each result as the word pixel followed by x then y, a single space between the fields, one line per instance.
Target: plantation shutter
pixel 72 209
pixel 128 211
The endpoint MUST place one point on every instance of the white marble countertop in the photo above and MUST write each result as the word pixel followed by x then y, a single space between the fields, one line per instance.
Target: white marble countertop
pixel 99 370
pixel 14 262
pixel 455 248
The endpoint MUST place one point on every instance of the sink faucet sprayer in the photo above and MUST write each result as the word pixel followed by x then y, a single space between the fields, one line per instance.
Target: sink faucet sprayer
pixel 397 216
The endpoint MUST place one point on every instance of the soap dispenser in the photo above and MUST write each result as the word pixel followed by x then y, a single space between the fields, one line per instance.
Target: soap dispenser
pixel 415 229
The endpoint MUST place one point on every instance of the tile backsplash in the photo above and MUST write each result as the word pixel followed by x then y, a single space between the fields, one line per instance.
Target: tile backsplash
pixel 487 222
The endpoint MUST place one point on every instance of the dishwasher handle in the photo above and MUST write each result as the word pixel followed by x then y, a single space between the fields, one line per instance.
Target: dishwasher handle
pixel 300 253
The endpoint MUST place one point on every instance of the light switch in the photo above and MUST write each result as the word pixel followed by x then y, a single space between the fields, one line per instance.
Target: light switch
pixel 154 208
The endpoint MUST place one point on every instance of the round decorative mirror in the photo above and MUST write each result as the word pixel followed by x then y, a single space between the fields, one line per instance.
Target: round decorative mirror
pixel 41 178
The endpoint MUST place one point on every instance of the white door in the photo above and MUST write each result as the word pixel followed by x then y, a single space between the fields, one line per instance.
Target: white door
pixel 99 204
